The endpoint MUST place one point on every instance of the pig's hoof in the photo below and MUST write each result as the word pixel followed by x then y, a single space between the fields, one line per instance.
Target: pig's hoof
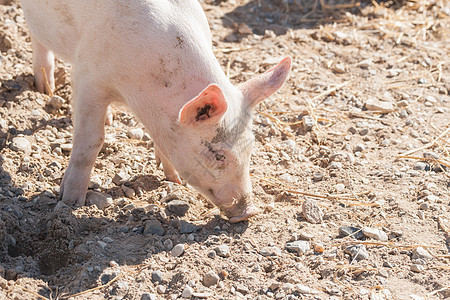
pixel 174 178
pixel 250 211
pixel 71 200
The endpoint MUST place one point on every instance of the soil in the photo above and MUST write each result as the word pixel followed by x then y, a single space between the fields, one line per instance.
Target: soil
pixel 360 130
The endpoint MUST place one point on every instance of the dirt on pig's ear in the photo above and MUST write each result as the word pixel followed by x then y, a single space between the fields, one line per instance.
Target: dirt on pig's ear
pixel 257 89
pixel 205 109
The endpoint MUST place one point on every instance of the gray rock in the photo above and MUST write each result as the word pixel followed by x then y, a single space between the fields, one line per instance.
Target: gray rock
pixel 186 227
pixel 383 273
pixel 374 104
pixel 129 192
pixel 365 63
pixel 424 206
pixel 157 276
pixel 357 252
pixel 317 176
pixel 168 244
pixel 20 144
pixel 148 296
pixel 210 279
pixel 421 253
pixel 120 178
pixel 359 148
pixel 420 166
pixel 373 233
pixel 304 236
pixel 178 207
pixel 364 131
pixel 302 289
pixel 161 289
pixel 187 292
pixel 102 201
pixel 102 244
pixel 60 206
pixel 312 212
pixel 178 250
pixel 66 147
pixel 222 250
pixel 242 289
pixel 136 133
pixel 299 247
pixel 307 123
pixel 153 227
pixel 56 102
pixel 270 251
pixel 417 268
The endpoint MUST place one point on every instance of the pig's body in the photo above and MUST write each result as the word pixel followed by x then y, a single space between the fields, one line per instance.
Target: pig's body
pixel 155 56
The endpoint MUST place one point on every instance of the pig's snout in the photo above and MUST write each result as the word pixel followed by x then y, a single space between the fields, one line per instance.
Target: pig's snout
pixel 236 206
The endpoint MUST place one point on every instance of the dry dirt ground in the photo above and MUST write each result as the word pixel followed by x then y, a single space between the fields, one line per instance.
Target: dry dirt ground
pixel 357 141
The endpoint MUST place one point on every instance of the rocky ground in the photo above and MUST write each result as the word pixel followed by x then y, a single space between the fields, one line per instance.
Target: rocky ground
pixel 350 167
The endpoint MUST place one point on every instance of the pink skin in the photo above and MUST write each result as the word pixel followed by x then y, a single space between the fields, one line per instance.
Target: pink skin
pixel 155 57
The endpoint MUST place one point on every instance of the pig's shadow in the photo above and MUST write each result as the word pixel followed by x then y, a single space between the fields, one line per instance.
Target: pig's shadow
pixel 280 15
pixel 81 243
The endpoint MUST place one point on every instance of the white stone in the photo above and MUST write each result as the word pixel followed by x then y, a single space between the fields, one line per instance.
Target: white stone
pixel 373 233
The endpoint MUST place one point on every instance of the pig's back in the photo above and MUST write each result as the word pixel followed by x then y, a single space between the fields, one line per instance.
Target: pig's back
pixel 105 28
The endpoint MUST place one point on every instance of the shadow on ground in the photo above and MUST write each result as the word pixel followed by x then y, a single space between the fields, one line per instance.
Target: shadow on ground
pixel 281 15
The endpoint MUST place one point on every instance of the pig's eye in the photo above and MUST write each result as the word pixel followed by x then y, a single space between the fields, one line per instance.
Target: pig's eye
pixel 219 157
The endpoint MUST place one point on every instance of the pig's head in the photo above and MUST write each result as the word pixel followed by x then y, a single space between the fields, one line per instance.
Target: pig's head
pixel 217 141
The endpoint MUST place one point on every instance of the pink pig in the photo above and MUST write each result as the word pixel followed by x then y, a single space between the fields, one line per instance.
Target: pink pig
pixel 156 56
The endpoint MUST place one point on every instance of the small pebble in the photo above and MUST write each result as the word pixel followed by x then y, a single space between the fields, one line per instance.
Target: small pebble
pixel 178 250
pixel 355 232
pixel 373 233
pixel 56 102
pixel 222 250
pixel 187 292
pixel 153 227
pixel 421 253
pixel 102 201
pixel 148 296
pixel 161 289
pixel 312 212
pixel 299 247
pixel 20 144
pixel 307 123
pixel 242 289
pixel 417 268
pixel 129 192
pixel 373 104
pixel 178 207
pixel 136 133
pixel 339 187
pixel 157 276
pixel 357 252
pixel 210 279
pixel 168 244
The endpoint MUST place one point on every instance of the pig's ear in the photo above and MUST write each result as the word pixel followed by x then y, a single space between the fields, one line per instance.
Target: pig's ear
pixel 257 89
pixel 206 109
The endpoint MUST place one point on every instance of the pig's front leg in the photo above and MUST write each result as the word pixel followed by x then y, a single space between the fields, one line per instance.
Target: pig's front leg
pixel 169 171
pixel 90 106
pixel 43 58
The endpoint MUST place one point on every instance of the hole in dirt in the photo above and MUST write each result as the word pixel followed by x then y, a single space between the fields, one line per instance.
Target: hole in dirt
pixel 13 251
pixel 50 264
